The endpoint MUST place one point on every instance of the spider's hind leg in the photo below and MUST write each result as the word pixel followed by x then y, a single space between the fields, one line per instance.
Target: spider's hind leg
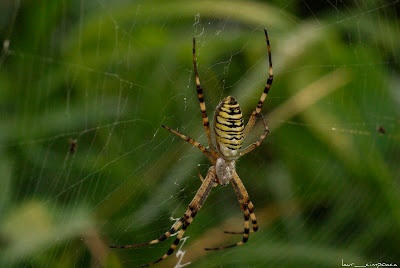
pixel 247 207
pixel 173 229
pixel 191 212
pixel 215 183
pixel 253 221
pixel 246 232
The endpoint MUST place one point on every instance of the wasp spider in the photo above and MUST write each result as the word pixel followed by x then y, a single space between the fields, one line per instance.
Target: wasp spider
pixel 229 133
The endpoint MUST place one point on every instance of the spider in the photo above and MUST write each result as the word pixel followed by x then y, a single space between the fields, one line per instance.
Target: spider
pixel 224 149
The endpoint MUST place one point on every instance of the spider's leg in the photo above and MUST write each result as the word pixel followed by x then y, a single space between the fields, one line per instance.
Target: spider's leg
pixel 253 217
pixel 243 198
pixel 230 232
pixel 173 229
pixel 191 212
pixel 201 177
pixel 200 95
pixel 257 111
pixel 251 147
pixel 253 220
pixel 176 242
pixel 193 142
pixel 245 232
pixel 202 180
pixel 247 207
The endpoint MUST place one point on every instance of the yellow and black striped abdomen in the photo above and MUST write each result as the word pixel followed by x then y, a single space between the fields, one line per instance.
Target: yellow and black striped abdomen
pixel 228 127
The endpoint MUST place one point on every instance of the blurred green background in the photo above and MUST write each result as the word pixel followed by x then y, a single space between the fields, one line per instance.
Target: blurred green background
pixel 103 75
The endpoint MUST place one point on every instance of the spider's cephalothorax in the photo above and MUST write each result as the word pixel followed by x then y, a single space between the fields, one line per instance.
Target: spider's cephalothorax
pixel 225 146
pixel 224 170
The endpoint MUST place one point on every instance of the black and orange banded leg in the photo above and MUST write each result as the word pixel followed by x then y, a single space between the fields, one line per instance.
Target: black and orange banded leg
pixel 202 180
pixel 173 229
pixel 251 147
pixel 200 95
pixel 194 206
pixel 257 111
pixel 191 212
pixel 247 208
pixel 193 142
pixel 253 217
pixel 171 250
pixel 244 199
pixel 253 221
pixel 245 233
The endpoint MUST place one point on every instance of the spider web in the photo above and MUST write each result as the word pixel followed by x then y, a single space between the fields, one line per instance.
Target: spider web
pixel 85 86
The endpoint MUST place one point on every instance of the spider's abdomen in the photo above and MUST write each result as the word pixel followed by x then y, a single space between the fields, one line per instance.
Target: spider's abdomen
pixel 228 127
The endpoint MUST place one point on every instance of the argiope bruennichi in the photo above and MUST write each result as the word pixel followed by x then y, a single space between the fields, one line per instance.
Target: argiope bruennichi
pixel 229 133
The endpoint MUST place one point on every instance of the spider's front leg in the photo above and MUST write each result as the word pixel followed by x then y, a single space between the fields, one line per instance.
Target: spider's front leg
pixel 257 111
pixel 267 87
